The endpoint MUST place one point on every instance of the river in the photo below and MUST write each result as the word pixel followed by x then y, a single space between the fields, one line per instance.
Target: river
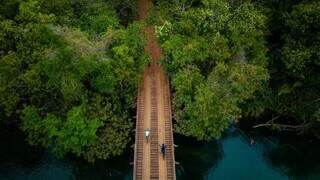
pixel 238 155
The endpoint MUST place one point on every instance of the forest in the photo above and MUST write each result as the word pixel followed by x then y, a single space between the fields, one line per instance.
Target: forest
pixel 70 69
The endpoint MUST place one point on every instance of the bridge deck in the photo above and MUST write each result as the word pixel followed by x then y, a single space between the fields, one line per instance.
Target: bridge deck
pixel 153 112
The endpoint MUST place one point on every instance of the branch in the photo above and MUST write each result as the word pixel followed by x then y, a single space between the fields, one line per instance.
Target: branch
pixel 275 118
pixel 281 126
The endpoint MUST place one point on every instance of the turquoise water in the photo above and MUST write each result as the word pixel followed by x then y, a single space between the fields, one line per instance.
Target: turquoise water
pixel 237 155
pixel 274 157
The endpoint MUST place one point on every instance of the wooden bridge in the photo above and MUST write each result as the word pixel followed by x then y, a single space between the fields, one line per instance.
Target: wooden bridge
pixel 154 113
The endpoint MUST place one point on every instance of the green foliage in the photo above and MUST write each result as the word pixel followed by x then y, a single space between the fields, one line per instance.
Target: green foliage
pixel 61 9
pixel 71 135
pixel 301 48
pixel 33 123
pixel 70 69
pixel 7 35
pixel 216 56
pixel 73 87
pixel 301 58
pixel 9 9
pixel 77 132
pixel 126 10
pixel 9 71
pixel 113 139
pixel 97 18
pixel 206 117
pixel 30 12
pixel 224 43
pixel 294 56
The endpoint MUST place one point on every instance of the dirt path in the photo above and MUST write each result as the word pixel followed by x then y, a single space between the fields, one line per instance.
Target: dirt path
pixel 143 8
pixel 153 113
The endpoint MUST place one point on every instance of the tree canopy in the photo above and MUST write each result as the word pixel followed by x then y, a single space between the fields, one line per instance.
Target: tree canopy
pixel 70 76
pixel 69 70
pixel 216 56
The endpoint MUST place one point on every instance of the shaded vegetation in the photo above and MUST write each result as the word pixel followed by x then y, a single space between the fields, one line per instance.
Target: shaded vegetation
pixel 70 71
pixel 233 59
pixel 215 53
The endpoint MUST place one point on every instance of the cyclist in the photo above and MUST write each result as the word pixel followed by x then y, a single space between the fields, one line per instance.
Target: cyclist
pixel 163 149
pixel 147 134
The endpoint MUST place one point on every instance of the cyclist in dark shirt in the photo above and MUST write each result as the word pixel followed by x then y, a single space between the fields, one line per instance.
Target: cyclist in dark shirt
pixel 163 149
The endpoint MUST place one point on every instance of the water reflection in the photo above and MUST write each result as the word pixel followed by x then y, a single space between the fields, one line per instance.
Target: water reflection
pixel 249 155
pixel 243 160
pixel 114 169
pixel 237 155
pixel 297 157
pixel 195 158
pixel 19 161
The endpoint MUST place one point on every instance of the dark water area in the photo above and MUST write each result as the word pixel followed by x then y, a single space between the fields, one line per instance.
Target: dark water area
pixel 238 155
pixel 19 161
pixel 249 155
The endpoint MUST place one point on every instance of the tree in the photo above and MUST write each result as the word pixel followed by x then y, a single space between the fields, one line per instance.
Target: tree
pixel 97 18
pixel 73 87
pixel 298 91
pixel 216 56
pixel 73 135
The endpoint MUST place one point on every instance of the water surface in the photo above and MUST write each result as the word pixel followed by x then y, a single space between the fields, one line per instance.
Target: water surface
pixel 238 155
pixel 246 156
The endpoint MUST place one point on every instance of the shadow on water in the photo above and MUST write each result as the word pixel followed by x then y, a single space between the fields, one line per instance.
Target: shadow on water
pixel 240 155
pixel 14 150
pixel 19 161
pixel 195 158
pixel 114 169
pixel 249 155
pixel 297 157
